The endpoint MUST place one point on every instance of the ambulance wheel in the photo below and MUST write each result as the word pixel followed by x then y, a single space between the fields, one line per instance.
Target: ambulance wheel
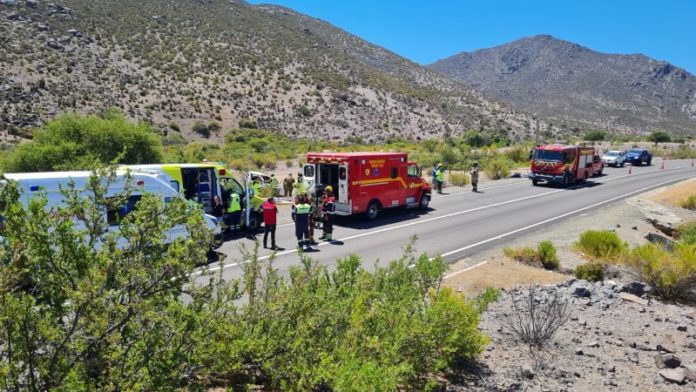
pixel 372 211
pixel 424 201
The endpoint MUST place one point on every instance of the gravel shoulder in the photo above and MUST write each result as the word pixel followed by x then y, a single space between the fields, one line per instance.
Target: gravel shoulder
pixel 616 339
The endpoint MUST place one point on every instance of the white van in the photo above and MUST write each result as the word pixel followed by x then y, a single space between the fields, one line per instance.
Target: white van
pixel 51 183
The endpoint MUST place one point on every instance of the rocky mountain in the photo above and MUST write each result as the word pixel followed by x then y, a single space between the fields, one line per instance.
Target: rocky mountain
pixel 563 80
pixel 177 62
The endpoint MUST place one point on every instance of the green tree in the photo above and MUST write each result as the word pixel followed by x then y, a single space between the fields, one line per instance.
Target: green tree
pixel 659 137
pixel 72 142
pixel 595 136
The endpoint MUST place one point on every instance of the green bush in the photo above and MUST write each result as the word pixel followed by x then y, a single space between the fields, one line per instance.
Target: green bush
pixel 459 179
pixel 689 203
pixel 75 316
pixel 600 244
pixel 547 255
pixel 73 142
pixel 671 274
pixel 592 271
pixel 686 233
pixel 497 167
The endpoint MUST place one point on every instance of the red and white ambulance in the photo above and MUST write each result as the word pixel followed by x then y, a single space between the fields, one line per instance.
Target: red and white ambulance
pixel 367 182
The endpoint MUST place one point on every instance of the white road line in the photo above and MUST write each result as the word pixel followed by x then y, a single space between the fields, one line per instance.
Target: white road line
pixel 559 217
pixel 213 269
pixel 465 269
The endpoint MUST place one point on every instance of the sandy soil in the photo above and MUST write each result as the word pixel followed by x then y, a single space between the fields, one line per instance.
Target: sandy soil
pixel 675 194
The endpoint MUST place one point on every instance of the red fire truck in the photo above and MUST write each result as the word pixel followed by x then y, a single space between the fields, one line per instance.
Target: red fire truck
pixel 367 182
pixel 562 164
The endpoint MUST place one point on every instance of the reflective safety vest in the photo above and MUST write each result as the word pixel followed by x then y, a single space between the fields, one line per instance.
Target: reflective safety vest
pixel 299 186
pixel 440 175
pixel 235 205
pixel 274 183
pixel 301 209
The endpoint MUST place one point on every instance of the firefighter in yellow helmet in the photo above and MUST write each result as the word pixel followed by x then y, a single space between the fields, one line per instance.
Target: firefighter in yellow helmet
pixel 327 214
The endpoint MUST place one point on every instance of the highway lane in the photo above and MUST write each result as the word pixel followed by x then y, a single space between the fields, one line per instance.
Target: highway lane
pixel 462 223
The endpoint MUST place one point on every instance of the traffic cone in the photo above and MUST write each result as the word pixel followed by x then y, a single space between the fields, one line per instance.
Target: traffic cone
pixel 663 165
pixel 629 168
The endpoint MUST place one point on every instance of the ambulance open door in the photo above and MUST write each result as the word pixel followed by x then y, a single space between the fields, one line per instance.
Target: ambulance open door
pixel 343 184
pixel 309 177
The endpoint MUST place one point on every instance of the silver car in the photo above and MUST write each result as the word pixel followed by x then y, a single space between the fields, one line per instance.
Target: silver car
pixel 614 158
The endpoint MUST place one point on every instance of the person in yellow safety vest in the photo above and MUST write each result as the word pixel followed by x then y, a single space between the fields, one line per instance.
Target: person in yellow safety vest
pixel 300 215
pixel 274 185
pixel 256 187
pixel 439 177
pixel 234 212
pixel 299 185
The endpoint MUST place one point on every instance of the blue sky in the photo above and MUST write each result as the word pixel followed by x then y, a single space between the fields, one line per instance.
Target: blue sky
pixel 427 30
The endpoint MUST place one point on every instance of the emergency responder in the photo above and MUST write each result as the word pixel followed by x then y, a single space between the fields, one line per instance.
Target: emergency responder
pixel 299 185
pixel 439 177
pixel 288 185
pixel 234 212
pixel 218 208
pixel 256 187
pixel 327 214
pixel 313 200
pixel 475 177
pixel 300 215
pixel 270 213
pixel 274 185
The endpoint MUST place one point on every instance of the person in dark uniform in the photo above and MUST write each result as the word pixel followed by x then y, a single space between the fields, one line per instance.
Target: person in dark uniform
pixel 327 214
pixel 218 208
pixel 300 215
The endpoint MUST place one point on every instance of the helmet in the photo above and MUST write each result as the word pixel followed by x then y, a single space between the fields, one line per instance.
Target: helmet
pixel 439 165
pixel 329 188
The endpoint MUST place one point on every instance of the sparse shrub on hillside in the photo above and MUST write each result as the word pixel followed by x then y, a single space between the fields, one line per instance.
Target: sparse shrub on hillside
pixel 533 321
pixel 671 274
pixel 459 179
pixel 689 203
pixel 600 244
pixel 201 128
pixel 547 255
pixel 592 271
pixel 248 123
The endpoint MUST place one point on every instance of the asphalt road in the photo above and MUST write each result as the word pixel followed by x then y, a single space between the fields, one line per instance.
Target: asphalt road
pixel 461 223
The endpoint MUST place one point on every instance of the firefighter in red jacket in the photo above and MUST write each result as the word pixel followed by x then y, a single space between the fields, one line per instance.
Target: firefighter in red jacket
pixel 327 214
pixel 270 213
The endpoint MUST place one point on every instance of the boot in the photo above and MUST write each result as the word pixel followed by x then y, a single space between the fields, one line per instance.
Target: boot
pixel 329 237
pixel 323 236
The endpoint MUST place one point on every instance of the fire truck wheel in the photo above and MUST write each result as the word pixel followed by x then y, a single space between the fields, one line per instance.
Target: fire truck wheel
pixel 372 210
pixel 424 201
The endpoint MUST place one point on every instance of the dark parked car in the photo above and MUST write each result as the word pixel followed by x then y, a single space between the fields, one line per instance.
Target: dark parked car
pixel 639 156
